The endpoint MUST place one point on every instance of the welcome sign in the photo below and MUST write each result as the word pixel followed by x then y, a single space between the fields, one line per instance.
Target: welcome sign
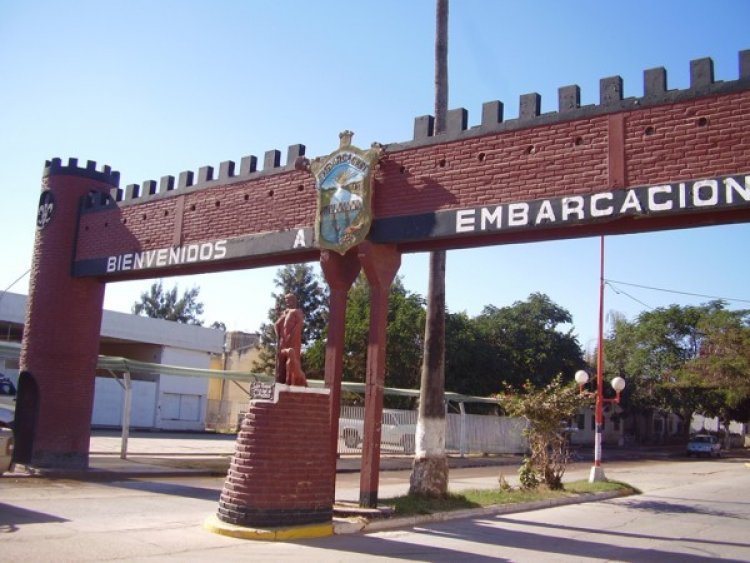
pixel 706 194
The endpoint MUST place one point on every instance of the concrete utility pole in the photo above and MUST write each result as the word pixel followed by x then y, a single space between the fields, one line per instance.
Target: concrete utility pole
pixel 430 470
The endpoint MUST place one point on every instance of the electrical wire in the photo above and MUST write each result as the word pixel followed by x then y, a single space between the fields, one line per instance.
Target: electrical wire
pixel 18 279
pixel 621 292
pixel 610 282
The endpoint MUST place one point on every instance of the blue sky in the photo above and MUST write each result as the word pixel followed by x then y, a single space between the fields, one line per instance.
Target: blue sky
pixel 156 87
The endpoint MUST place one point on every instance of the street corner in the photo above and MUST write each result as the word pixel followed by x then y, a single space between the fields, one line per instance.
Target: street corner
pixel 216 526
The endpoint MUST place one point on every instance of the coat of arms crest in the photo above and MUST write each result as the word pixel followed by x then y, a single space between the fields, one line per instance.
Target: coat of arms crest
pixel 344 183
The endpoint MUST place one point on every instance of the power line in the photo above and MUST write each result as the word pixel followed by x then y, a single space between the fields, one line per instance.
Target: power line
pixel 621 292
pixel 676 291
pixel 18 279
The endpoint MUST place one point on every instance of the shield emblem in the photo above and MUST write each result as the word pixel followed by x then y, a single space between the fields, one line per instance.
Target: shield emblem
pixel 343 181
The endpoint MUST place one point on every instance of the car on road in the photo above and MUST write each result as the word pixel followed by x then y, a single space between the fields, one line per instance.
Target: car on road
pixel 6 386
pixel 704 444
pixel 7 439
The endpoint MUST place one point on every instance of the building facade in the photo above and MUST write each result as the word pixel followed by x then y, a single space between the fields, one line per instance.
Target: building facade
pixel 160 401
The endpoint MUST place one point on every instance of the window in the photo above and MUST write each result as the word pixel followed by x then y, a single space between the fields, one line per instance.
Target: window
pixel 581 421
pixel 175 406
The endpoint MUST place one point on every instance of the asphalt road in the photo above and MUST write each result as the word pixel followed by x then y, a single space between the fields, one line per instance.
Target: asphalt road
pixel 690 510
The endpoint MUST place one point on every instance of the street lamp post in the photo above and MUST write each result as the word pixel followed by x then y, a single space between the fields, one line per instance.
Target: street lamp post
pixel 618 384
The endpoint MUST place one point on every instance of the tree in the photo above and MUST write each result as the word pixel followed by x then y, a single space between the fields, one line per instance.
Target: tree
pixel 546 409
pixel 649 354
pixel 406 319
pixel 429 474
pixel 722 365
pixel 472 365
pixel 159 304
pixel 526 341
pixel 680 359
pixel 312 297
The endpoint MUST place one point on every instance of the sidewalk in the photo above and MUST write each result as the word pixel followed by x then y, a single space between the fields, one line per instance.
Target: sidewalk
pixel 168 454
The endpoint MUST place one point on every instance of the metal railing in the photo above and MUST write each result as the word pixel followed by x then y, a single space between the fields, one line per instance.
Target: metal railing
pixel 466 434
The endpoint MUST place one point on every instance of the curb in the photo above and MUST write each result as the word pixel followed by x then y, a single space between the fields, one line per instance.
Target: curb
pixel 96 474
pixel 216 526
pixel 358 525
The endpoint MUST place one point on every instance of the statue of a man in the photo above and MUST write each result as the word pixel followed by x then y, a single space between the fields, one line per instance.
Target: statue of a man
pixel 289 344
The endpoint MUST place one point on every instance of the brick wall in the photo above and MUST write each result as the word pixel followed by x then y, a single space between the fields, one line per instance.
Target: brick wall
pixel 61 334
pixel 665 136
pixel 280 474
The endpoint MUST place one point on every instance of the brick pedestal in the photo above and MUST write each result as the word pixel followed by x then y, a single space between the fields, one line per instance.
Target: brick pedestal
pixel 280 475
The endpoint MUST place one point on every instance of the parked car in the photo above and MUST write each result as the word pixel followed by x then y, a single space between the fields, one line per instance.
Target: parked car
pixel 392 432
pixel 704 444
pixel 6 386
pixel 7 440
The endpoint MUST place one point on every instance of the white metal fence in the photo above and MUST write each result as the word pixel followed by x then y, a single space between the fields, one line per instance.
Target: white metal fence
pixel 465 433
pixel 485 434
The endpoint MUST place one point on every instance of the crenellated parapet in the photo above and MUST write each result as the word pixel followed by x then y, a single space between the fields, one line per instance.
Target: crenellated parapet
pixel 55 167
pixel 611 100
pixel 450 189
pixel 206 177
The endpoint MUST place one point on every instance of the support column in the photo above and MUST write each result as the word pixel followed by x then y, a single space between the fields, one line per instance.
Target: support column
pixel 380 263
pixel 63 321
pixel 340 273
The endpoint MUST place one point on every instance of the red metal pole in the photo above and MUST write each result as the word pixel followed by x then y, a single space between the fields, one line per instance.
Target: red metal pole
pixel 596 472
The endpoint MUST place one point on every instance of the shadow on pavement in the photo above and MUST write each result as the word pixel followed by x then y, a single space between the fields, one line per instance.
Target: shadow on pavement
pixel 12 516
pixel 187 491
pixel 457 541
pixel 626 535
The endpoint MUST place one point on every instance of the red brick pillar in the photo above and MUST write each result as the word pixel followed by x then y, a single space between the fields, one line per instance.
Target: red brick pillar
pixel 280 473
pixel 63 320
pixel 340 273
pixel 380 263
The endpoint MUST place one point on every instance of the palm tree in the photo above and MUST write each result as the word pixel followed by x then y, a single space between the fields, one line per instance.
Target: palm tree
pixel 430 469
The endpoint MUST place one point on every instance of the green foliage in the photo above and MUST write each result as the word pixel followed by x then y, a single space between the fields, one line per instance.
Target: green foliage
pixel 527 474
pixel 500 344
pixel 546 409
pixel 722 368
pixel 406 319
pixel 409 505
pixel 420 504
pixel 682 360
pixel 312 297
pixel 160 304
pixel 510 345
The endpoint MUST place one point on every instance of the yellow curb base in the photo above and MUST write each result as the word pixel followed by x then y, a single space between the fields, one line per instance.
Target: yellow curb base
pixel 216 526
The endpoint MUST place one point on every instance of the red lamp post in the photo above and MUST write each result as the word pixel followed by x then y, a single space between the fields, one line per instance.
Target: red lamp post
pixel 618 383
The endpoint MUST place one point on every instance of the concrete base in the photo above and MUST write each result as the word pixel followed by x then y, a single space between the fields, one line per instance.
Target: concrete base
pixel 429 476
pixel 597 474
pixel 216 526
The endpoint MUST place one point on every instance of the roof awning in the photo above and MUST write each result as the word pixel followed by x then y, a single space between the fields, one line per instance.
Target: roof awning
pixel 12 350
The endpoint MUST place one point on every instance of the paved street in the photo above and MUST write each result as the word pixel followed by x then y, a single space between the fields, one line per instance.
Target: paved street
pixel 695 510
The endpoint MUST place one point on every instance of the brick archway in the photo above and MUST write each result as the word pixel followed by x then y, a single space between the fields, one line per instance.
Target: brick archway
pixel 668 159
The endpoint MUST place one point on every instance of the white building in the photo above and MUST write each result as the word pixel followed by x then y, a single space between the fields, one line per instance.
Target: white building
pixel 164 402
